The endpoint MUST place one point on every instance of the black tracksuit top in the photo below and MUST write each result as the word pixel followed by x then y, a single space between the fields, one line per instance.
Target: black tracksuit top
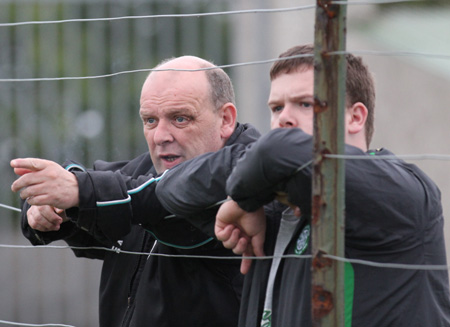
pixel 118 208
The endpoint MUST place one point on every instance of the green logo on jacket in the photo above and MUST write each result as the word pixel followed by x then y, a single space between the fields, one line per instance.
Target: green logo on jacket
pixel 266 320
pixel 302 241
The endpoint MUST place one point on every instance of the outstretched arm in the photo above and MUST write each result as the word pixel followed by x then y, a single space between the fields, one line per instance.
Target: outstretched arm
pixel 267 167
pixel 185 192
pixel 43 224
pixel 241 231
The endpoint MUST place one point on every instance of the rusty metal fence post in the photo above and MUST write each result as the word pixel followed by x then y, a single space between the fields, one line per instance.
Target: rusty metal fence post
pixel 328 226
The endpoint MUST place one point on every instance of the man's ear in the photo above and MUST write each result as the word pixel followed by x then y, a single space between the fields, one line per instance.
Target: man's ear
pixel 228 114
pixel 356 118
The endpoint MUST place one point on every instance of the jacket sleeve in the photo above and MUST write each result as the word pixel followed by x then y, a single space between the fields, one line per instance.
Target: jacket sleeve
pixel 69 232
pixel 267 167
pixel 73 234
pixel 390 188
pixel 111 201
pixel 197 184
pixel 195 189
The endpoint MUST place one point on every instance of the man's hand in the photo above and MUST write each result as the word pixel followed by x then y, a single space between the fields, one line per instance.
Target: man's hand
pixel 44 182
pixel 283 198
pixel 45 218
pixel 241 231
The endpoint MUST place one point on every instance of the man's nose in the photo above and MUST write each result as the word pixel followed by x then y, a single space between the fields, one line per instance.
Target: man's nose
pixel 163 133
pixel 287 118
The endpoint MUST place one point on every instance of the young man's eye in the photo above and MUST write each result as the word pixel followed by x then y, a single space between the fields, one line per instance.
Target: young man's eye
pixel 306 104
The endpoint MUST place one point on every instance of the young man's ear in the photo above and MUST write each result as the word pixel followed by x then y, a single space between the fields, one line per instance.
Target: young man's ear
pixel 356 118
pixel 228 114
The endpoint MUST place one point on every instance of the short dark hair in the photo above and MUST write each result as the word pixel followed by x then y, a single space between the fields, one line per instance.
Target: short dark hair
pixel 359 83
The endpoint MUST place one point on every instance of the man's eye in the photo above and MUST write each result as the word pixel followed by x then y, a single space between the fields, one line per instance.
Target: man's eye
pixel 306 104
pixel 180 119
pixel 151 120
pixel 277 108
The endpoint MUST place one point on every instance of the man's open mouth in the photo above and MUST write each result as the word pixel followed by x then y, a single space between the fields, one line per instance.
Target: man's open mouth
pixel 170 158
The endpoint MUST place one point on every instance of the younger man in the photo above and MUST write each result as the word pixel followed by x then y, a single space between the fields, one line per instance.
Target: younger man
pixel 393 215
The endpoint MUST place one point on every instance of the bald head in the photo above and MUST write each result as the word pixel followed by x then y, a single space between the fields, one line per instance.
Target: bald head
pixel 220 87
pixel 184 62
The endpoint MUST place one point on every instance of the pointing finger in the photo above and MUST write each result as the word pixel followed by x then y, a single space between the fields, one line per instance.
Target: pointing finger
pixel 30 164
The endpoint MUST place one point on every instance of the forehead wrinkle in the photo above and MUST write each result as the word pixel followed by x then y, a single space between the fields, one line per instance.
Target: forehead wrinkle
pixel 172 96
pixel 172 105
pixel 169 108
pixel 176 91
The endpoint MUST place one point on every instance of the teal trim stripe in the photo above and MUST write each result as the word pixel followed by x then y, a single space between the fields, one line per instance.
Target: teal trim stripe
pixel 130 192
pixel 147 183
pixel 112 203
pixel 180 246
pixel 349 285
pixel 143 186
pixel 69 167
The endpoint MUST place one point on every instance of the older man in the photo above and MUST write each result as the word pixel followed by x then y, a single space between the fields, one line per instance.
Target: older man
pixel 184 114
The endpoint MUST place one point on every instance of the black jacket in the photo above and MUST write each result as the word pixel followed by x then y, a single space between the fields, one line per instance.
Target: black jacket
pixel 393 215
pixel 121 273
pixel 155 290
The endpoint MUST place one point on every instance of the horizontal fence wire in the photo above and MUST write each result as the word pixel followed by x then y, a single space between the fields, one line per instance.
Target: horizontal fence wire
pixel 443 157
pixel 236 257
pixel 248 63
pixel 108 19
pixel 258 62
pixel 9 207
pixel 220 13
pixel 12 323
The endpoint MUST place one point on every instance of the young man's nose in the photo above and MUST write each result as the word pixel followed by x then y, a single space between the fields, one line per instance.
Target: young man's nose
pixel 287 118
